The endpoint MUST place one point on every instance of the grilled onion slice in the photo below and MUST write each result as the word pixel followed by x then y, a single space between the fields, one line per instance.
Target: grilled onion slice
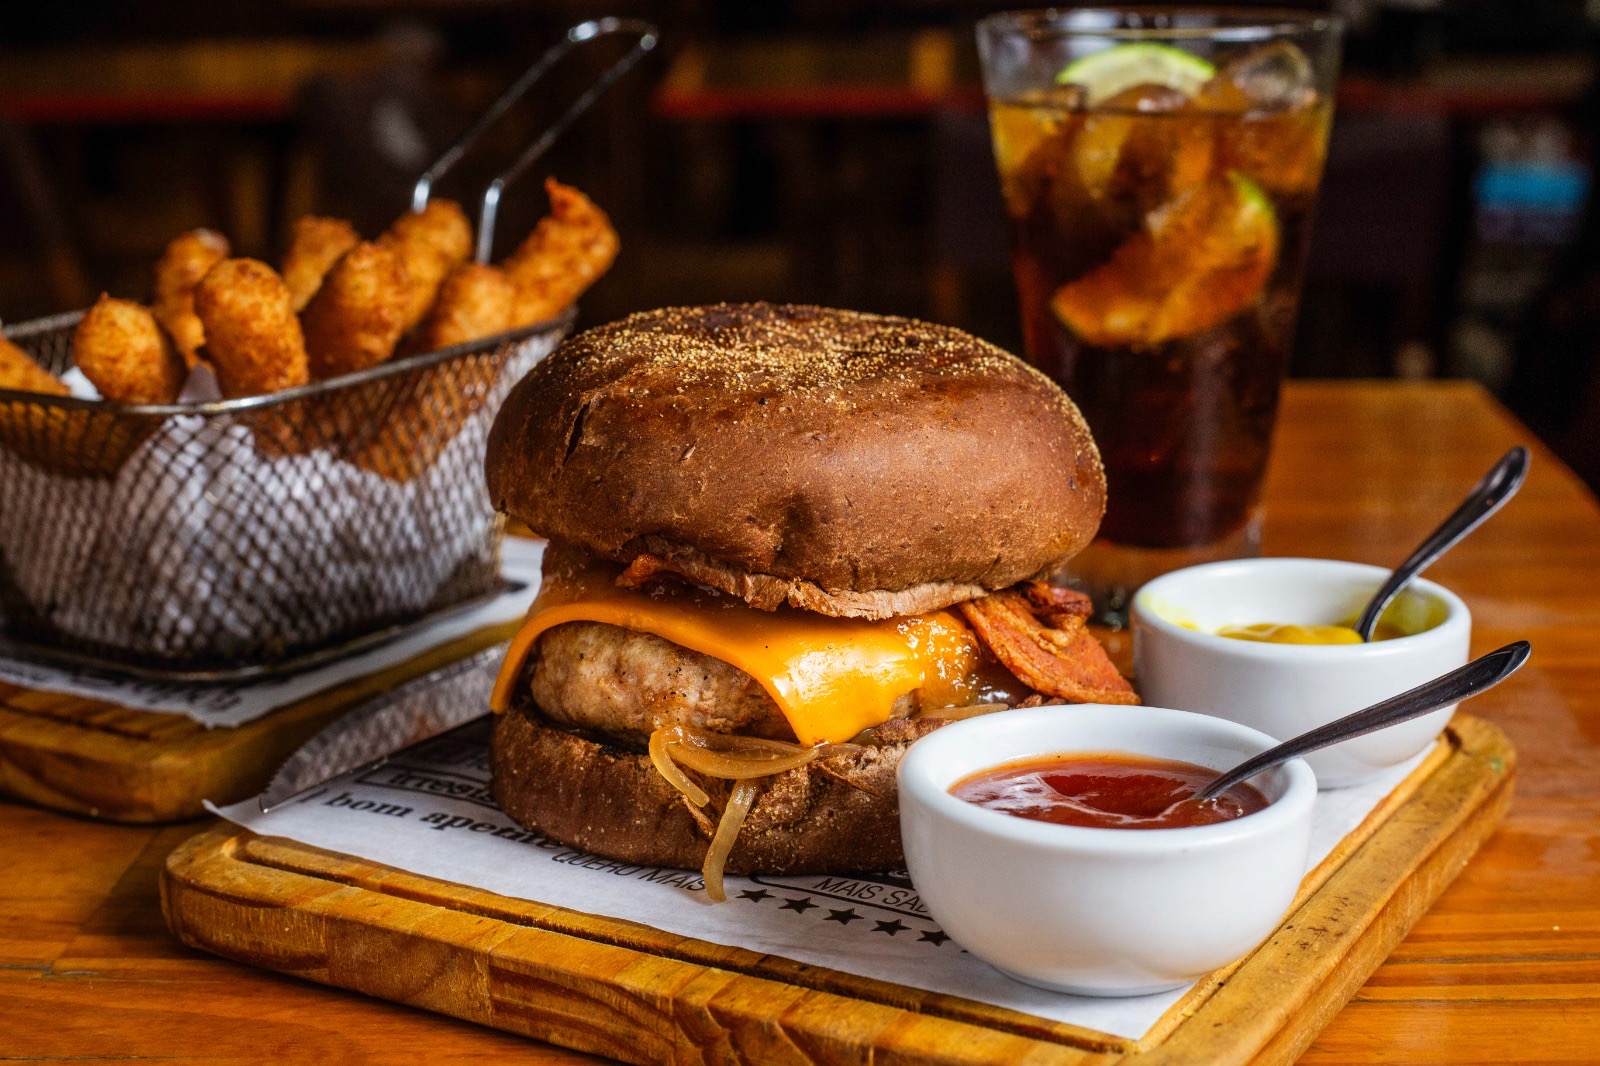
pixel 742 767
pixel 661 759
pixel 733 815
pixel 743 760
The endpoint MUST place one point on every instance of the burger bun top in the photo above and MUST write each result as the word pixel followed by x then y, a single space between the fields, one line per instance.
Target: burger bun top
pixel 852 464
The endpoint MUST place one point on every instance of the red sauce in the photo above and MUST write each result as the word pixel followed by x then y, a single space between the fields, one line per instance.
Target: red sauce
pixel 1106 790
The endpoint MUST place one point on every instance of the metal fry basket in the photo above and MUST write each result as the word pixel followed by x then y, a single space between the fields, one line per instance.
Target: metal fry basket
pixel 223 540
pixel 227 537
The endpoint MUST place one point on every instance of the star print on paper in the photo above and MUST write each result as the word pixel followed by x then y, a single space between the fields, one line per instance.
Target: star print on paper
pixel 844 917
pixel 892 928
pixel 935 937
pixel 798 904
pixel 755 894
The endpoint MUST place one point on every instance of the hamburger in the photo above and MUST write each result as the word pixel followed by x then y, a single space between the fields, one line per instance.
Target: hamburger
pixel 784 543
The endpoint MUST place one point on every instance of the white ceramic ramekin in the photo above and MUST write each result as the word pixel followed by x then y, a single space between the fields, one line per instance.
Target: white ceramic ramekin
pixel 1101 912
pixel 1285 689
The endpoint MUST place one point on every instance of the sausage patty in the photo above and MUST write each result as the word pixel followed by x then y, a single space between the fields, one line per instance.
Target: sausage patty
pixel 626 684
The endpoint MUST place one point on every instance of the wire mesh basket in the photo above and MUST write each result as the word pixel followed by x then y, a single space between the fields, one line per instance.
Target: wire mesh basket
pixel 241 534
pixel 220 540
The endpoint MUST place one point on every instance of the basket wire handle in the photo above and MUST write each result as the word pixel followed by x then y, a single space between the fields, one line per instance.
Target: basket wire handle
pixel 647 38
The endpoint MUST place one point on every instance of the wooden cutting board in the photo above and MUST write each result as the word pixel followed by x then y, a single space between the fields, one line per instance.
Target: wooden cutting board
pixel 117 764
pixel 634 993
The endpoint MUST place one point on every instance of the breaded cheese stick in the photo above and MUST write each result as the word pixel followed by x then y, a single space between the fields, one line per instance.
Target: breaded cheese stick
pixel 566 253
pixel 430 242
pixel 68 441
pixel 178 271
pixel 252 334
pixel 476 300
pixel 316 245
pixel 120 347
pixel 19 371
pixel 441 225
pixel 356 317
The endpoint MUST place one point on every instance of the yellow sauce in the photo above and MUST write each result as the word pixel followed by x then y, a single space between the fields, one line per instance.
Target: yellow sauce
pixel 1275 633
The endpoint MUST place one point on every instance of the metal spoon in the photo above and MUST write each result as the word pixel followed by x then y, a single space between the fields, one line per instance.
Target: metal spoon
pixel 1487 496
pixel 1475 677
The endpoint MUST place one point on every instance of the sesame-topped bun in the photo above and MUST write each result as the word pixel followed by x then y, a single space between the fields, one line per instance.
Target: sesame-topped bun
pixel 851 464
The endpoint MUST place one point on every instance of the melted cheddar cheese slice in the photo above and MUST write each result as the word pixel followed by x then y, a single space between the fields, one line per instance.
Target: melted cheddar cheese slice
pixel 831 677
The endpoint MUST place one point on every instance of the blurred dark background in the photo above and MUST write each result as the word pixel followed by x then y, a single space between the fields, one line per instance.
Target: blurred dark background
pixel 830 152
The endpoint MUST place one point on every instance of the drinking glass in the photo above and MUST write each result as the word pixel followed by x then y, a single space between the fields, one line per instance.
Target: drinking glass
pixel 1160 170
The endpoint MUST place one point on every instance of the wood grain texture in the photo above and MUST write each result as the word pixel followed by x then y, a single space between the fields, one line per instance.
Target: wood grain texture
pixel 632 992
pixel 1505 967
pixel 97 759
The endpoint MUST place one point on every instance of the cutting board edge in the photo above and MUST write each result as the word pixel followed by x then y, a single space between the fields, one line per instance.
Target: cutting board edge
pixel 554 985
pixel 54 761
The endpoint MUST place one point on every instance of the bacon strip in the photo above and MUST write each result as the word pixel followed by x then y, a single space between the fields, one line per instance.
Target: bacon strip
pixel 1039 634
pixel 1056 605
pixel 1037 630
pixel 644 568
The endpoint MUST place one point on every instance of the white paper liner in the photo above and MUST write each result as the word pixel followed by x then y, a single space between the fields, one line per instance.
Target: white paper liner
pixel 235 704
pixel 428 811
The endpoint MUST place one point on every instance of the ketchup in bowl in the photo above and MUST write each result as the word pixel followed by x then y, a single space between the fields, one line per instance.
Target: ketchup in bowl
pixel 1106 790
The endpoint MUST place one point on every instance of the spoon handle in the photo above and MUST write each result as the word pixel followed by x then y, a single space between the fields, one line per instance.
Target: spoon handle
pixel 1487 496
pixel 1477 676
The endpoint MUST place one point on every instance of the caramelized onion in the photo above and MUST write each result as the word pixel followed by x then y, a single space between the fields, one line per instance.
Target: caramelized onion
pixel 733 767
pixel 733 815
pixel 957 714
pixel 737 744
pixel 739 759
pixel 661 759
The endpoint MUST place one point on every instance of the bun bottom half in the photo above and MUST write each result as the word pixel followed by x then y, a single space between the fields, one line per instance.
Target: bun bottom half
pixel 833 816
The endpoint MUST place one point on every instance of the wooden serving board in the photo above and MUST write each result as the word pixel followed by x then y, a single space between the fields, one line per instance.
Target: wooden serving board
pixel 118 764
pixel 635 993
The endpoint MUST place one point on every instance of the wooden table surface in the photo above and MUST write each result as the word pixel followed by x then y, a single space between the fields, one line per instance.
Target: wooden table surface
pixel 1505 968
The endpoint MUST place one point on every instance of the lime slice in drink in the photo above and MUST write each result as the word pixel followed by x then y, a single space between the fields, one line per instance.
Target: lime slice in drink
pixel 1107 73
pixel 1200 260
